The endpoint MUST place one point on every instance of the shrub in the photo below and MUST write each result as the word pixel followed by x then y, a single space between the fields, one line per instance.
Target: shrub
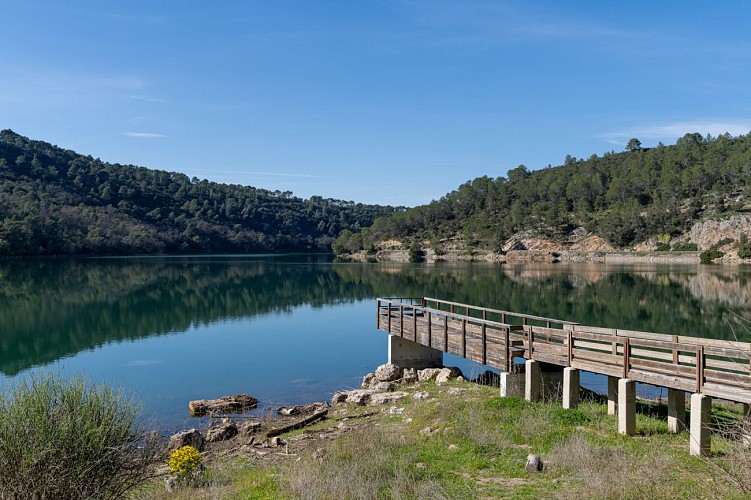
pixel 663 247
pixel 68 438
pixel 744 247
pixel 184 463
pixel 687 246
pixel 416 253
pixel 707 256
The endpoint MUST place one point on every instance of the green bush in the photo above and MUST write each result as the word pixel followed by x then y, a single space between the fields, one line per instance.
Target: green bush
pixel 688 246
pixel 69 438
pixel 707 256
pixel 663 247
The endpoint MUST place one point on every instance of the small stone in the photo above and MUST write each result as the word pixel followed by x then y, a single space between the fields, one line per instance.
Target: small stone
pixel 388 373
pixel 460 379
pixel 428 374
pixel 409 420
pixel 534 463
pixel 170 482
pixel 396 411
pixel 427 431
pixel 409 376
pixel 453 447
pixel 277 441
pixel 420 395
pixel 248 428
pixel 421 465
pixel 455 391
pixel 447 374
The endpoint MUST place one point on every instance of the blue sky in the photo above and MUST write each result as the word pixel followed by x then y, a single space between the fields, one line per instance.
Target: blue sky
pixel 394 102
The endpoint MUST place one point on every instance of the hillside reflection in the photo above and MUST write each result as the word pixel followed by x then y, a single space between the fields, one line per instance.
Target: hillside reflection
pixel 50 309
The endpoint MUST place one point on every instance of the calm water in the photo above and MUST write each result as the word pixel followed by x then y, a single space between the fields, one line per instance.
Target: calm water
pixel 295 329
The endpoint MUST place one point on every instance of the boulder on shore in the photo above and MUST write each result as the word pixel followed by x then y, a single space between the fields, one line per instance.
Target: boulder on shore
pixel 428 374
pixel 446 374
pixel 388 373
pixel 191 437
pixel 226 430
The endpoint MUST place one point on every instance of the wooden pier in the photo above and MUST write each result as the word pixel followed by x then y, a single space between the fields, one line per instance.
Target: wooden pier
pixel 707 368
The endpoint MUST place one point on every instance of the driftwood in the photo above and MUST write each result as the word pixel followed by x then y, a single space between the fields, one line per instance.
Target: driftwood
pixel 237 403
pixel 300 409
pixel 276 431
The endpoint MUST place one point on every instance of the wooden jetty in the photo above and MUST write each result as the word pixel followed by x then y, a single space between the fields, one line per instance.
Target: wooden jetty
pixel 707 368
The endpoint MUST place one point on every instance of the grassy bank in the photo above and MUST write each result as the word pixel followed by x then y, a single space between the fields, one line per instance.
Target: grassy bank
pixel 464 442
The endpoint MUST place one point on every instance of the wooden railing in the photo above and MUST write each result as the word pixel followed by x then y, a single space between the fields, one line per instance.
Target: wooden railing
pixel 493 337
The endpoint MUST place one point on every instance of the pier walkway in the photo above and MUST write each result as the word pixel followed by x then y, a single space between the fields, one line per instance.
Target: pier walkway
pixel 553 351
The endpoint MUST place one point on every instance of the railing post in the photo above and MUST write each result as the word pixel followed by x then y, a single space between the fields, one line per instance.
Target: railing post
pixel 507 348
pixel 414 324
pixel 389 311
pixel 699 368
pixel 530 341
pixel 570 347
pixel 378 314
pixel 464 338
pixel 445 333
pixel 430 328
pixel 401 319
pixel 626 356
pixel 484 344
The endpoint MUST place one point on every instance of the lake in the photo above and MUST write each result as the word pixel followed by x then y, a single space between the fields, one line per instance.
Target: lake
pixel 294 329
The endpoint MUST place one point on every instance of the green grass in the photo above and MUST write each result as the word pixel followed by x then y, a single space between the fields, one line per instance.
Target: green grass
pixel 478 448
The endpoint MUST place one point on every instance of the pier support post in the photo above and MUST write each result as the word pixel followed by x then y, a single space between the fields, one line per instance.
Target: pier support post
pixel 512 384
pixel 612 395
pixel 701 419
pixel 532 380
pixel 570 387
pixel 408 354
pixel 676 411
pixel 627 406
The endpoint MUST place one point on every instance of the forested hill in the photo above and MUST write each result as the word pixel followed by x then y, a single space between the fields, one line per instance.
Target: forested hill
pixel 623 197
pixel 55 201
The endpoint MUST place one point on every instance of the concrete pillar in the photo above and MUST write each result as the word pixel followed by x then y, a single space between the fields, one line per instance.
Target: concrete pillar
pixel 512 384
pixel 408 354
pixel 626 406
pixel 701 419
pixel 676 411
pixel 532 380
pixel 570 387
pixel 612 395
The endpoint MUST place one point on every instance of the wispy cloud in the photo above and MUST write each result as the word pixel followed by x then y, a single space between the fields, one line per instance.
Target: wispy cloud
pixel 144 135
pixel 672 131
pixel 147 99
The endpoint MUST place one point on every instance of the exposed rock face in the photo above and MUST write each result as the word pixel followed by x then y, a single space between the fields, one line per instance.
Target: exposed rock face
pixel 191 437
pixel 711 232
pixel 388 373
pixel 226 430
pixel 367 381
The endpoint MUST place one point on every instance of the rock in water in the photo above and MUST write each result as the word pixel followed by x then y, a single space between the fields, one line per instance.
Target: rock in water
pixel 191 437
pixel 237 403
pixel 367 380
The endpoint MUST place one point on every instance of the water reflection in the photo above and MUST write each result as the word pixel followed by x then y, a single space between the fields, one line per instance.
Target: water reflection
pixel 52 309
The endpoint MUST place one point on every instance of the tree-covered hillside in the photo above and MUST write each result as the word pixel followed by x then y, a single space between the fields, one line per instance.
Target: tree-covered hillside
pixel 624 197
pixel 55 201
